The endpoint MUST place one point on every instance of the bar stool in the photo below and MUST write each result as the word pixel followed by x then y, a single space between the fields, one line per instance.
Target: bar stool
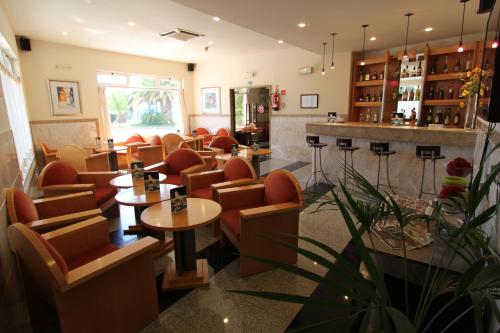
pixel 381 149
pixel 313 141
pixel 425 153
pixel 346 146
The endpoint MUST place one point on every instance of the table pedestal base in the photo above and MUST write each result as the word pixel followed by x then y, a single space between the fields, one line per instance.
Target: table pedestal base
pixel 188 279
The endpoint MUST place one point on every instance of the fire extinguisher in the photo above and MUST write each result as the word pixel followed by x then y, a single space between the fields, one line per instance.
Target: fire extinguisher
pixel 275 100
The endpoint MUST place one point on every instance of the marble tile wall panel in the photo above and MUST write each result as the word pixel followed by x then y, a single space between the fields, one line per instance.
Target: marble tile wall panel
pixel 58 133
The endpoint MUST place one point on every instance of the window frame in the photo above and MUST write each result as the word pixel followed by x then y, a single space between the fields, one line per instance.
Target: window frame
pixel 129 84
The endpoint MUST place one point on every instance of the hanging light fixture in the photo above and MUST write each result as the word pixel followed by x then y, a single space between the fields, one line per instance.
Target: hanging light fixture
pixel 405 53
pixel 332 66
pixel 460 45
pixel 324 48
pixel 364 26
pixel 495 41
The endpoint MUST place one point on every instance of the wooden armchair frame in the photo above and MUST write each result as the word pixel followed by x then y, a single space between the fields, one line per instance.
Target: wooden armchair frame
pixel 49 155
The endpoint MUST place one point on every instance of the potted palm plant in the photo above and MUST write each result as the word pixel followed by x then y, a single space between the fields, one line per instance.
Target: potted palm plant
pixel 370 307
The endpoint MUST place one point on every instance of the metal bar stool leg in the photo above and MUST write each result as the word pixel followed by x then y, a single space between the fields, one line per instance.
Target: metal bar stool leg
pixel 313 174
pixel 434 175
pixel 315 168
pixel 321 169
pixel 345 168
pixel 422 181
pixel 387 173
pixel 378 171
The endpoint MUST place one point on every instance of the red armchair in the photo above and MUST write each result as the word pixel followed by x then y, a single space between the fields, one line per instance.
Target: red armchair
pixel 50 213
pixel 225 143
pixel 178 164
pixel 90 284
pixel 59 177
pixel 269 208
pixel 222 132
pixel 206 133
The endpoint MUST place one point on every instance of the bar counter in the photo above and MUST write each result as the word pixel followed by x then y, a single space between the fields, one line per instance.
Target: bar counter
pixel 405 169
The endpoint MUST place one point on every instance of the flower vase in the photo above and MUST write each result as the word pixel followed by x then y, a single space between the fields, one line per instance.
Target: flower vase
pixel 470 112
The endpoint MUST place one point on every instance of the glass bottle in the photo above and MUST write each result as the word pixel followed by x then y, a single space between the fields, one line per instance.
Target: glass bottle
pixel 451 92
pixel 367 76
pixel 380 97
pixel 361 98
pixel 468 63
pixel 458 65
pixel 456 118
pixel 394 94
pixel 373 98
pixel 374 75
pixel 431 93
pixel 441 93
pixel 381 76
pixel 438 118
pixel 367 97
pixel 414 72
pixel 428 120
pixel 419 69
pixel 361 74
pixel 447 117
pixel 375 116
pixel 445 66
pixel 411 97
pixel 434 67
pixel 405 95
pixel 417 93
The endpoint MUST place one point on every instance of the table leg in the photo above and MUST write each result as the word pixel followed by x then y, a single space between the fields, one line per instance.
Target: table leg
pixel 256 164
pixel 113 161
pixel 137 228
pixel 185 251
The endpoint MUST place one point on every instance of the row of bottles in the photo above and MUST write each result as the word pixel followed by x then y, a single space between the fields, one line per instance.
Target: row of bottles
pixel 366 76
pixel 445 68
pixel 409 94
pixel 408 72
pixel 445 118
pixel 370 97
pixel 441 93
pixel 370 115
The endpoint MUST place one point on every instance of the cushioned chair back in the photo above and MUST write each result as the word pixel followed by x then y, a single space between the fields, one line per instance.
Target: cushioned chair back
pixel 223 142
pixel 238 168
pixel 171 142
pixel 182 159
pixel 184 144
pixel 281 186
pixel 20 207
pixel 155 140
pixel 58 173
pixel 222 132
pixel 202 131
pixel 135 138
pixel 37 260
pixel 74 155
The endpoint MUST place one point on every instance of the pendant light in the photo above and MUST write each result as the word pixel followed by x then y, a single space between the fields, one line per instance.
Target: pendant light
pixel 495 41
pixel 364 26
pixel 460 45
pixel 324 48
pixel 332 66
pixel 405 53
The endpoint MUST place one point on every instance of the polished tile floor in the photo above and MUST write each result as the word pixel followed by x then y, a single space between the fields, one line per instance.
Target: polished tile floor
pixel 215 309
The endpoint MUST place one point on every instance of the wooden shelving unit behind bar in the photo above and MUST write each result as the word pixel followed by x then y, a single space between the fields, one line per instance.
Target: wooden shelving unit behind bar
pixel 362 110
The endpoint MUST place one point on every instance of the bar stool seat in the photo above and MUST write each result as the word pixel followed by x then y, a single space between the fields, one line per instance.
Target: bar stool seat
pixel 346 146
pixel 433 154
pixel 381 149
pixel 318 145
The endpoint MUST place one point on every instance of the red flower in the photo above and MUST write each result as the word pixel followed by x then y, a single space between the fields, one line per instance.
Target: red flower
pixel 459 167
pixel 451 191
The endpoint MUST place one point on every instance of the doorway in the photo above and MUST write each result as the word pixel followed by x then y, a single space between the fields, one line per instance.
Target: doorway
pixel 250 115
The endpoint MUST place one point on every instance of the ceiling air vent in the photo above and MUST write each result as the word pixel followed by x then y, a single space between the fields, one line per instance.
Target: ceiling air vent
pixel 181 34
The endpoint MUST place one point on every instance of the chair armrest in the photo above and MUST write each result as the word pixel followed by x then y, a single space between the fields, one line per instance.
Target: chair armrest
pixel 97 162
pixel 65 204
pixel 204 179
pixel 99 179
pixel 58 221
pixel 51 190
pixel 241 196
pixel 218 151
pixel 253 213
pixel 231 183
pixel 160 167
pixel 108 262
pixel 136 144
pixel 193 169
pixel 80 238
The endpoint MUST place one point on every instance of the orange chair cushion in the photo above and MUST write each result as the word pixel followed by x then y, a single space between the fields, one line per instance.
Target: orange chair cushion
pixel 135 138
pixel 222 132
pixel 202 131
pixel 174 180
pixel 58 258
pixel 60 173
pixel 236 169
pixel 223 142
pixel 24 207
pixel 231 218
pixel 182 159
pixel 155 140
pixel 91 255
pixel 204 193
pixel 279 188
pixel 103 194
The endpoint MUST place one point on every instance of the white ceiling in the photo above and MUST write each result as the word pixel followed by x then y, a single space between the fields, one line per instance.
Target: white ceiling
pixel 102 24
pixel 279 19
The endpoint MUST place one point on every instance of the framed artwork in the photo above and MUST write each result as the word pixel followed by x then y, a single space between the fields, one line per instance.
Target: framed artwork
pixel 309 101
pixel 64 98
pixel 210 100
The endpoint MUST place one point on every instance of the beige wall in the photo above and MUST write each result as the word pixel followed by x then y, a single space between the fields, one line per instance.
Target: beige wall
pixel 81 64
pixel 280 68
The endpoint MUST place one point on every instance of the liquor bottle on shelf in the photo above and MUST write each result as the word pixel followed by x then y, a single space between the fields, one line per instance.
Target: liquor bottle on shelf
pixel 434 67
pixel 380 97
pixel 373 98
pixel 381 75
pixel 468 63
pixel 431 93
pixel 367 97
pixel 394 94
pixel 403 73
pixel 445 65
pixel 368 115
pixel 417 93
pixel 428 119
pixel 374 75
pixel 458 65
pixel 411 97
pixel 447 117
pixel 405 95
pixel 451 92
pixel 367 76
pixel 414 72
pixel 407 71
pixel 438 117
pixel 361 75
pixel 361 98
pixel 375 116
pixel 487 64
pixel 441 93
pixel 413 117
pixel 419 69
pixel 456 118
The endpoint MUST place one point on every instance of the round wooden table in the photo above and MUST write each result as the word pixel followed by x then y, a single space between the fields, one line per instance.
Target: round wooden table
pixel 126 181
pixel 195 141
pixel 113 159
pixel 187 272
pixel 248 154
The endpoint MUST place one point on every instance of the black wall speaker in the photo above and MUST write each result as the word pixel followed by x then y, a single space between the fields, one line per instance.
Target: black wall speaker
pixel 24 44
pixel 486 5
pixel 191 67
pixel 494 108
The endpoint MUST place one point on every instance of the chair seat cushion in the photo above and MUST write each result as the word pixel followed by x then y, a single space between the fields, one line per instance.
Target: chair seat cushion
pixel 102 194
pixel 174 180
pixel 93 254
pixel 58 258
pixel 204 193
pixel 231 218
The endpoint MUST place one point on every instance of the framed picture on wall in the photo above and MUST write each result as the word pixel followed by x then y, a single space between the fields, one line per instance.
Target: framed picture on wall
pixel 210 100
pixel 309 101
pixel 65 98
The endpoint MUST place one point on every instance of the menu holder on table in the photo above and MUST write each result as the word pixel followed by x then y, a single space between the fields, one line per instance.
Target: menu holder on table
pixel 234 150
pixel 111 143
pixel 178 199
pixel 152 181
pixel 137 169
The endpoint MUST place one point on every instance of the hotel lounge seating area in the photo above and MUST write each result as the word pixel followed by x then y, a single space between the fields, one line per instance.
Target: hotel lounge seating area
pixel 212 166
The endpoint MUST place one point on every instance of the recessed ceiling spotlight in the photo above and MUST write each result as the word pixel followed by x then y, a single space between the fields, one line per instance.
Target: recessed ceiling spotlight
pixel 428 29
pixel 301 25
pixel 216 18
pixel 210 42
pixel 64 33
pixel 131 23
pixel 280 42
pixel 373 38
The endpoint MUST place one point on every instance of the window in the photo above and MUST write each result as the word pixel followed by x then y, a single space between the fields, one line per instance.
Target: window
pixel 18 117
pixel 144 104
